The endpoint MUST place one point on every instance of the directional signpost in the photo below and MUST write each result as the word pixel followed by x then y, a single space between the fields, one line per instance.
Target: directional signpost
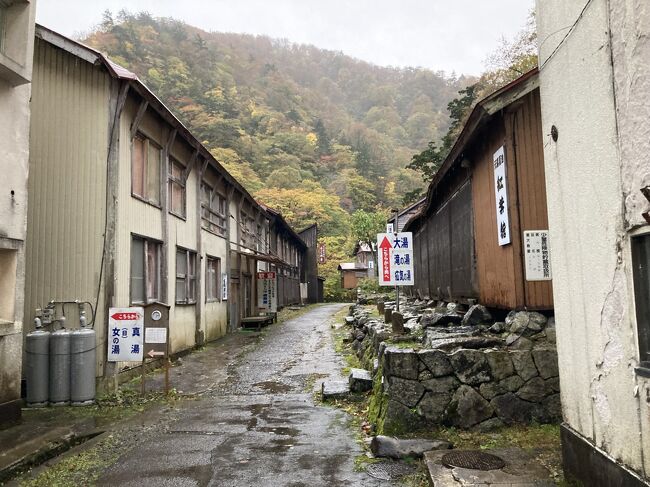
pixel 156 338
pixel 395 259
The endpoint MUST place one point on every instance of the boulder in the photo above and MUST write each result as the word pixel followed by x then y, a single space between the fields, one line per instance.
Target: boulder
pixel 489 425
pixel 399 418
pixel 553 384
pixel 476 315
pixel 524 365
pixel 546 362
pixel 511 384
pixel 533 391
pixel 498 327
pixel 440 319
pixel 517 342
pixel 433 406
pixel 442 385
pixel 408 392
pixel 468 408
pixel 511 409
pixel 471 366
pixel 500 363
pixel 490 390
pixel 401 362
pixel 360 380
pixel 436 362
pixel 350 320
pixel 553 407
pixel 388 314
pixel 537 321
pixel 389 447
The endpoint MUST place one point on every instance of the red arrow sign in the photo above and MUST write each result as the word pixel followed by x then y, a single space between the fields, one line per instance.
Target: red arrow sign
pixel 125 316
pixel 153 353
pixel 385 247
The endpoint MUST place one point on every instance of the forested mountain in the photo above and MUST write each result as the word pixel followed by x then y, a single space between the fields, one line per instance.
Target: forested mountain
pixel 313 133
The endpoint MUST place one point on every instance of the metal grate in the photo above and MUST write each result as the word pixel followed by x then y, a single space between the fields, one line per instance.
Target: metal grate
pixel 476 460
pixel 389 470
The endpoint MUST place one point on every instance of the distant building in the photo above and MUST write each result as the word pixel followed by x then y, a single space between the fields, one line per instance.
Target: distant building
pixel 313 283
pixel 366 256
pixel 16 55
pixel 595 85
pixel 351 273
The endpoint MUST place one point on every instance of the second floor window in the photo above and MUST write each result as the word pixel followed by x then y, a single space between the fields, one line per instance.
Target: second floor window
pixel 176 188
pixel 145 169
pixel 212 279
pixel 213 210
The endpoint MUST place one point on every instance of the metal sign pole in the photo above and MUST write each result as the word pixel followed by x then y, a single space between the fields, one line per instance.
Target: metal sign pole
pixel 396 230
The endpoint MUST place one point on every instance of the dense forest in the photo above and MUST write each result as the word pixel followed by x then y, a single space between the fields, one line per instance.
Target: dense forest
pixel 318 135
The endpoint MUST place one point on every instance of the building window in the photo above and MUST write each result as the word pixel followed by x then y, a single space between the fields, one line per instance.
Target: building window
pixel 247 233
pixel 185 276
pixel 176 188
pixel 145 169
pixel 641 265
pixel 145 270
pixel 212 279
pixel 213 210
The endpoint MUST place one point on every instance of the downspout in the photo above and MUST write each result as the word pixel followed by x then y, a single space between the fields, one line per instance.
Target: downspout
pixel 117 98
pixel 199 336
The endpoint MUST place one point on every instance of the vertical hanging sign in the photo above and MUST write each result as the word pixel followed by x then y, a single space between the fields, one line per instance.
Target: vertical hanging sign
pixel 501 196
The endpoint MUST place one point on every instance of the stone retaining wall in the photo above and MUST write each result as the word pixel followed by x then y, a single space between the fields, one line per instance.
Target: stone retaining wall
pixel 465 376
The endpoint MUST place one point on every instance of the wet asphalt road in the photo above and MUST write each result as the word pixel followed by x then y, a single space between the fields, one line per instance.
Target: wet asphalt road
pixel 260 426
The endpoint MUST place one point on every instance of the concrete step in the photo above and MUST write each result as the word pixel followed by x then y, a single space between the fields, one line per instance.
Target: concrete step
pixel 332 390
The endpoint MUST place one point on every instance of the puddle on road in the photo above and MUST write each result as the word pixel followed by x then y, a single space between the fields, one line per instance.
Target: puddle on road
pixel 279 430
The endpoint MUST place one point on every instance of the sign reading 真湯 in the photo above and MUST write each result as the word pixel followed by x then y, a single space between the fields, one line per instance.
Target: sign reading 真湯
pixel 395 259
pixel 125 333
pixel 267 296
pixel 536 255
pixel 501 196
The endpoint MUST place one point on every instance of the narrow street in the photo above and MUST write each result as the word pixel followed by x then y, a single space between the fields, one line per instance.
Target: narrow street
pixel 261 426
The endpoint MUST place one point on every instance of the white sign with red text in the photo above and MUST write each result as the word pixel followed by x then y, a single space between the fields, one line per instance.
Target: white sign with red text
pixel 125 334
pixel 395 259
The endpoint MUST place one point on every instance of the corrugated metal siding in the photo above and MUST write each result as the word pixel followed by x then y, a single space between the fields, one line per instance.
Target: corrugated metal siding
pixel 67 181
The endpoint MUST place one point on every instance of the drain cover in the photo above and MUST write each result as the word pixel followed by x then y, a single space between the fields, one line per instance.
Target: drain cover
pixel 476 460
pixel 389 470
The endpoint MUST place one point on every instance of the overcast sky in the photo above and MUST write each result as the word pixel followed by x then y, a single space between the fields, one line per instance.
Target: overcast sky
pixel 449 35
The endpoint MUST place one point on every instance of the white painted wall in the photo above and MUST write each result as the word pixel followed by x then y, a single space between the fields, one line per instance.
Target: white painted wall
pixel 593 178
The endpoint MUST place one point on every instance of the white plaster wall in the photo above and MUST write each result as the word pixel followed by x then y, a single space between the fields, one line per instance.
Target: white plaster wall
pixel 586 182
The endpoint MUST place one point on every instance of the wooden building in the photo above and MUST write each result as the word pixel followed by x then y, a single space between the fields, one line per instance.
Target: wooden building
pixel 128 207
pixel 469 245
pixel 313 282
pixel 351 273
pixel 291 251
pixel 405 214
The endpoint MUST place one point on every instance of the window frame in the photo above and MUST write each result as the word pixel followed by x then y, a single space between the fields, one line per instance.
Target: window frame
pixel 147 141
pixel 217 297
pixel 188 278
pixel 213 218
pixel 145 270
pixel 181 183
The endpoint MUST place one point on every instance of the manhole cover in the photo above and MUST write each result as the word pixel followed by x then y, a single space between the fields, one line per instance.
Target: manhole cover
pixel 389 470
pixel 476 460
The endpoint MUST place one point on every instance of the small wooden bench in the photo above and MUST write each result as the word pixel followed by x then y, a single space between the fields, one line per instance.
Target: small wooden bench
pixel 258 321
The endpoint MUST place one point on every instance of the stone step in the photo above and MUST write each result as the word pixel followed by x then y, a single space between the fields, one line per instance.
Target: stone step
pixel 397 448
pixel 360 380
pixel 332 390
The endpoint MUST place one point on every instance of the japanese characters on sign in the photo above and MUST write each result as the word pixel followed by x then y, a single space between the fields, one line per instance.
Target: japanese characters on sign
pixel 125 333
pixel 322 253
pixel 395 259
pixel 536 255
pixel 267 297
pixel 501 196
pixel 224 286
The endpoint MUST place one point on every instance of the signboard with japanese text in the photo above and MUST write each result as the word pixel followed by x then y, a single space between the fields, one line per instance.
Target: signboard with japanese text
pixel 501 196
pixel 322 253
pixel 125 334
pixel 224 286
pixel 390 228
pixel 395 259
pixel 536 255
pixel 267 296
pixel 156 330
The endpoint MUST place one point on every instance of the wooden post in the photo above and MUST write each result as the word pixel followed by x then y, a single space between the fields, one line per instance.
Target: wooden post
pixel 167 375
pixel 142 387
